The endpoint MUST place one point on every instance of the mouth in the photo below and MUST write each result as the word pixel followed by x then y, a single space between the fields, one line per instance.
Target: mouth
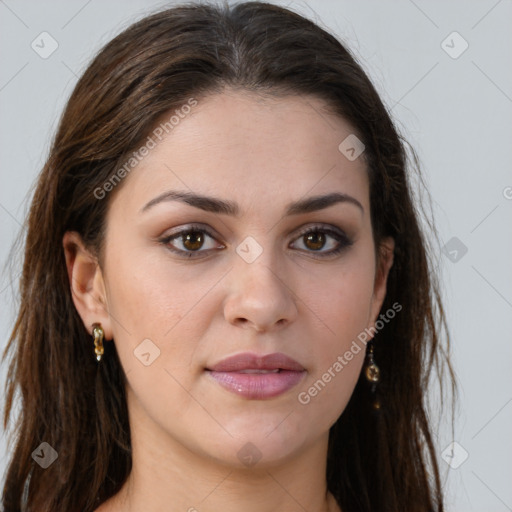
pixel 277 370
pixel 257 377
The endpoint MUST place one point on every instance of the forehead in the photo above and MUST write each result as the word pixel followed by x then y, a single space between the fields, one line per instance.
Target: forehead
pixel 255 150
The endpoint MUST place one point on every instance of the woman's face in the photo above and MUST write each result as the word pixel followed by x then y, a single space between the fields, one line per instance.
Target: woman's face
pixel 248 276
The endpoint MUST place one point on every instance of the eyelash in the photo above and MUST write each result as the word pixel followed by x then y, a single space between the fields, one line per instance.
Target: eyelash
pixel 342 239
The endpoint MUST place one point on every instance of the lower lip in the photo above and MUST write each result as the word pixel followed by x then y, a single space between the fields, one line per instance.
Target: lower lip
pixel 258 386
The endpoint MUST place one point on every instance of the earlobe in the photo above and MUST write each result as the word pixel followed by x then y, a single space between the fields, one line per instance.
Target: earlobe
pixel 86 283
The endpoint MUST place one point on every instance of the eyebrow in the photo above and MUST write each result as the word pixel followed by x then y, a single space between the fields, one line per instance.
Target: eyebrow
pixel 215 205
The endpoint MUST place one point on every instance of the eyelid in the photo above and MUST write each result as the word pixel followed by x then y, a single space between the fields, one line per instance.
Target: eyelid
pixel 185 228
pixel 320 226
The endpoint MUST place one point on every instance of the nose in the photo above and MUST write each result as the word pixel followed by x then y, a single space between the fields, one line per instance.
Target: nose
pixel 260 297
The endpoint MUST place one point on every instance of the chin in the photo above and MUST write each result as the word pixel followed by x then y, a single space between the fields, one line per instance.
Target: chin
pixel 260 445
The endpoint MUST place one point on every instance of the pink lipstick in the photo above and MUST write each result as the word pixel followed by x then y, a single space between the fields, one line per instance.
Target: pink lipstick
pixel 257 377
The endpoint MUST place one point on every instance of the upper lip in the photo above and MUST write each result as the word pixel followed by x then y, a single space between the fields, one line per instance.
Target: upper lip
pixel 249 361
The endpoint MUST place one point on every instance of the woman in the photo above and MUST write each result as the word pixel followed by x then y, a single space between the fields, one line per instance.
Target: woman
pixel 226 299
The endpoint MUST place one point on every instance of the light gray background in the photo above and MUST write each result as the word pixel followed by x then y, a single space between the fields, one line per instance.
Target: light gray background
pixel 456 112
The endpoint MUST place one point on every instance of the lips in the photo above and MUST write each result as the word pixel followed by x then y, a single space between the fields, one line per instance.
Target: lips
pixel 248 361
pixel 257 377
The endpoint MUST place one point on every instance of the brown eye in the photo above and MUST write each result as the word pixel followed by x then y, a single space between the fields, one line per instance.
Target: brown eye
pixel 193 240
pixel 324 241
pixel 314 240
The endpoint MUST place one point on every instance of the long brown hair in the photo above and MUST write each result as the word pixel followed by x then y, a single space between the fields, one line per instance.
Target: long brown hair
pixel 383 460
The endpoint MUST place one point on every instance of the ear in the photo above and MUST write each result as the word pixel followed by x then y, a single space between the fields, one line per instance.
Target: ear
pixel 87 284
pixel 384 264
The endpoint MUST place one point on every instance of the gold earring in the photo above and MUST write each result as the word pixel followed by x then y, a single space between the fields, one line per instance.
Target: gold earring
pixel 372 373
pixel 98 333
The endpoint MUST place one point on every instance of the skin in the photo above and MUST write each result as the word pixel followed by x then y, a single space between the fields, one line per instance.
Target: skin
pixel 186 429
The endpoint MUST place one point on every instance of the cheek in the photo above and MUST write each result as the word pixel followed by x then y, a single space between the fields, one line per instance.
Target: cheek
pixel 158 319
pixel 341 303
pixel 149 305
pixel 340 297
pixel 338 356
pixel 151 295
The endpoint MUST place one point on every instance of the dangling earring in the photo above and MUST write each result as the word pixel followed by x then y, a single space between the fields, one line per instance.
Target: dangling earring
pixel 372 373
pixel 98 333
